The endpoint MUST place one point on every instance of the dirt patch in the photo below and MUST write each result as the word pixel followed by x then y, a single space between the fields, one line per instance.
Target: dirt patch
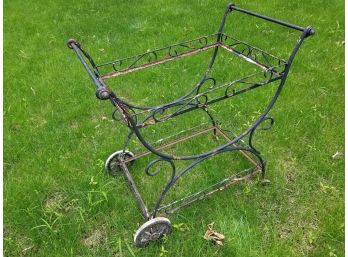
pixel 6 231
pixel 54 201
pixel 58 202
pixel 15 127
pixel 95 238
pixel 74 125
pixel 290 168
pixel 284 232
pixel 19 245
pixel 303 231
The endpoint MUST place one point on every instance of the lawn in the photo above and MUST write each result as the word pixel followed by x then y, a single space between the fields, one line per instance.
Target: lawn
pixel 58 199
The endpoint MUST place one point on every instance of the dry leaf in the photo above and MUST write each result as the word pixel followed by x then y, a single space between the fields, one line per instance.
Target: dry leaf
pixel 215 237
pixel 337 155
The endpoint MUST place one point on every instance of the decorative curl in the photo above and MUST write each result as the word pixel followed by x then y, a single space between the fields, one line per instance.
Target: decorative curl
pixel 202 100
pixel 117 65
pixel 158 113
pixel 269 126
pixel 152 163
pixel 203 41
pixel 174 50
pixel 117 112
pixel 169 183
pixel 212 85
pixel 199 100
pixel 230 91
pixel 151 56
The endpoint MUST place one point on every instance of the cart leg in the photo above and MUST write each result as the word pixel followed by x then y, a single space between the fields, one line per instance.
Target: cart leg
pixel 135 191
pixel 205 108
pixel 264 180
pixel 262 162
pixel 155 227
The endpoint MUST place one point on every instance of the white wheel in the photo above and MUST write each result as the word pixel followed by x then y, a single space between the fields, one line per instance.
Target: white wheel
pixel 112 162
pixel 152 230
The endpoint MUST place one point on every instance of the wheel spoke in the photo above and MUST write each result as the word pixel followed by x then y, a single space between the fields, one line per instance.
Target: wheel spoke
pixel 162 230
pixel 148 233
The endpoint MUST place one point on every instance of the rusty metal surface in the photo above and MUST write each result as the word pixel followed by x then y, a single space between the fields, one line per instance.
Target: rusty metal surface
pixel 150 64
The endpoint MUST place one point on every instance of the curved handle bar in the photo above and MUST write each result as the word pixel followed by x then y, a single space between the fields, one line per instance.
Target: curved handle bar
pixel 310 31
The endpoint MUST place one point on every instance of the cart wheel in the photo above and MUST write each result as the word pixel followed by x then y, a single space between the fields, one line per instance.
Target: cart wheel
pixel 112 162
pixel 151 231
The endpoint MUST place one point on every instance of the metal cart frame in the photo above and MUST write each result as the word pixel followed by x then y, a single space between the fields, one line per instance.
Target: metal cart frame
pixel 137 117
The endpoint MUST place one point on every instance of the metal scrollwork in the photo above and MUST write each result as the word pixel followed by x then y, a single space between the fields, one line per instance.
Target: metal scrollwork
pixel 156 115
pixel 268 74
pixel 122 115
pixel 203 41
pixel 151 56
pixel 212 85
pixel 170 181
pixel 230 91
pixel 202 100
pixel 224 37
pixel 115 114
pixel 117 65
pixel 154 173
pixel 172 51
pixel 199 100
pixel 249 51
pixel 244 49
pixel 178 49
pixel 266 118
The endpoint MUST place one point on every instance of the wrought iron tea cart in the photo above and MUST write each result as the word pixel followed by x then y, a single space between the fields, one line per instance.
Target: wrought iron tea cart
pixel 200 97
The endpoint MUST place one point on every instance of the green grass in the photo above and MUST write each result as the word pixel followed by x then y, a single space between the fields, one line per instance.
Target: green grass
pixel 58 201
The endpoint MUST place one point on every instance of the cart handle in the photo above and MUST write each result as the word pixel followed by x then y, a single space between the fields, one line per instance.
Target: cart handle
pixel 102 92
pixel 310 30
